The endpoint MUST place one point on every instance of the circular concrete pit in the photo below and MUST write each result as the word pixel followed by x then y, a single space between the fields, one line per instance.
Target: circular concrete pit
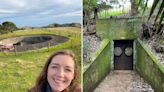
pixel 32 42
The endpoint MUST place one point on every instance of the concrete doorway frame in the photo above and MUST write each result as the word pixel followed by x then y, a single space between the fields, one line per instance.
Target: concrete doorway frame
pixel 112 52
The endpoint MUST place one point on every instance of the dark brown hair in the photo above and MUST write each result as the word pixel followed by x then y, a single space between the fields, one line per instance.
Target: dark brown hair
pixel 42 79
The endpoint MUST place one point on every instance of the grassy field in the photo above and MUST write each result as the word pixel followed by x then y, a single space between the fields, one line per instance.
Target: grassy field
pixel 117 12
pixel 19 70
pixel 108 13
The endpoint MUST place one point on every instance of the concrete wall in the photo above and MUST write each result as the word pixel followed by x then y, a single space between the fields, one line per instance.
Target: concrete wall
pixel 100 67
pixel 122 28
pixel 112 29
pixel 25 40
pixel 11 41
pixel 149 67
pixel 145 63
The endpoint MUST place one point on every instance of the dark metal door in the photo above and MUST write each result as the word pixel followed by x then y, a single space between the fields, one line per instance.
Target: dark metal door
pixel 123 55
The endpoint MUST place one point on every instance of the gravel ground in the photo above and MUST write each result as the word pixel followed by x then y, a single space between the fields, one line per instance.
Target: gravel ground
pixel 123 81
pixel 91 44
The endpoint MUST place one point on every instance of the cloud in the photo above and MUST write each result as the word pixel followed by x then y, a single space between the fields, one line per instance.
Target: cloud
pixel 4 11
pixel 12 4
pixel 18 3
pixel 68 14
pixel 69 2
pixel 46 12
pixel 50 14
pixel 38 9
pixel 43 6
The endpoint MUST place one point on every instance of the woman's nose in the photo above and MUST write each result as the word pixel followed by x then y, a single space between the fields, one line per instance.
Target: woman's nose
pixel 60 72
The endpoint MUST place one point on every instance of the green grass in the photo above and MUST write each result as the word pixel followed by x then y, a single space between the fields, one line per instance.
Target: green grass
pixel 107 13
pixel 19 70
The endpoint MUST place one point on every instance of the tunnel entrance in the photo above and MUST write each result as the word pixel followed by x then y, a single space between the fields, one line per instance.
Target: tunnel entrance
pixel 123 54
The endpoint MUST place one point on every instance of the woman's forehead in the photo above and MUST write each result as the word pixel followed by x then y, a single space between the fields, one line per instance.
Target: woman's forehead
pixel 64 60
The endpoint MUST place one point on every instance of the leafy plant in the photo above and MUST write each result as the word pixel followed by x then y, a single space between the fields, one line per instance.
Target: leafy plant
pixel 159 15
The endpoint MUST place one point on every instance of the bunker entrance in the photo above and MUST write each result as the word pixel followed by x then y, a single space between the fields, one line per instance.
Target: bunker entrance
pixel 123 54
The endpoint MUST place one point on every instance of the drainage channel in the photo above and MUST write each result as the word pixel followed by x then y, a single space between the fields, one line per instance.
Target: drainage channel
pixel 123 81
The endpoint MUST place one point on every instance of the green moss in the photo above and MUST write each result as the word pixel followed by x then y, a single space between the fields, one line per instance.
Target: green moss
pixel 99 68
pixel 96 54
pixel 153 57
pixel 149 67
pixel 118 28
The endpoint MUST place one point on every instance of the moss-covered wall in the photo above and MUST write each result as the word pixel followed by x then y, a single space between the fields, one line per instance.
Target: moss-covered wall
pixel 122 28
pixel 112 29
pixel 118 29
pixel 149 67
pixel 98 69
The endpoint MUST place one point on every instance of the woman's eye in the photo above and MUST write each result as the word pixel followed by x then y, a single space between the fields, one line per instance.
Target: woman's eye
pixel 54 67
pixel 69 70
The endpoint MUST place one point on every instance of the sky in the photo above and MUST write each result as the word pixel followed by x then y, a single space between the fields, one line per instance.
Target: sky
pixel 40 12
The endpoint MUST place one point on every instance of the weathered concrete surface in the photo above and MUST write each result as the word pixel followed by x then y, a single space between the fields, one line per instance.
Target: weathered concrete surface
pixel 149 67
pixel 99 68
pixel 123 81
pixel 33 42
pixel 123 28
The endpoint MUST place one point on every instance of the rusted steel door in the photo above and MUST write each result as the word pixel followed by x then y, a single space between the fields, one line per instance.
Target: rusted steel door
pixel 123 55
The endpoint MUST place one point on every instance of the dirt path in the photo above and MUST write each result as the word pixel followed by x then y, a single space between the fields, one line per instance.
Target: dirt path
pixel 123 81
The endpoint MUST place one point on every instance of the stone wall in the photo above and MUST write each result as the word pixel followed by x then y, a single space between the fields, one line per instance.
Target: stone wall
pixel 100 67
pixel 149 67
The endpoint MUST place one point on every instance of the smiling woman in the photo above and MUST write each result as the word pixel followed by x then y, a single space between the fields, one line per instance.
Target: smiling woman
pixel 59 74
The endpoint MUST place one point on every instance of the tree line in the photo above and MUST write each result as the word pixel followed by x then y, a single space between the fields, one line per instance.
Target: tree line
pixel 7 27
pixel 63 25
pixel 92 7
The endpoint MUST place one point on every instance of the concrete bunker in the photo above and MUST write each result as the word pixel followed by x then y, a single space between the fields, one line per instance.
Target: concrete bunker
pixel 33 40
pixel 30 42
pixel 145 63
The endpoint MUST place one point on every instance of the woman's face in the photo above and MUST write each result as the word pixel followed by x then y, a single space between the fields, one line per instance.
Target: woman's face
pixel 60 72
